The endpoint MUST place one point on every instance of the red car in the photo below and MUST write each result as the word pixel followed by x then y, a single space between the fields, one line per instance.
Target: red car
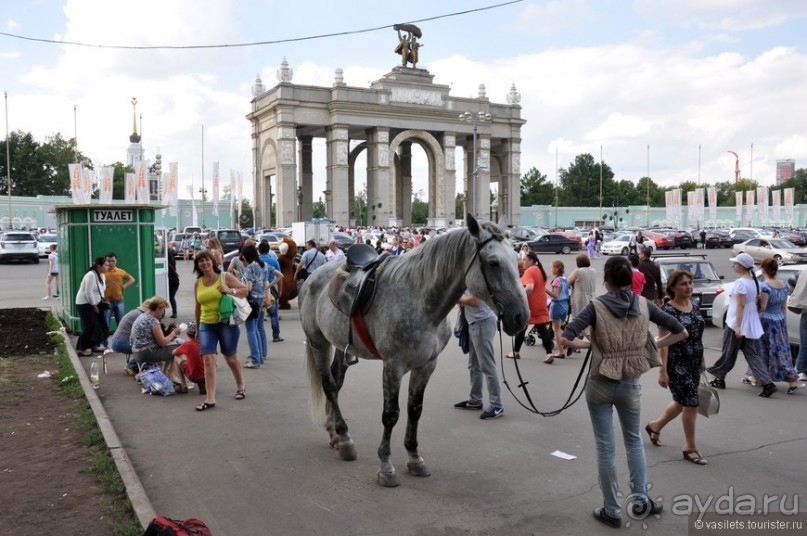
pixel 662 240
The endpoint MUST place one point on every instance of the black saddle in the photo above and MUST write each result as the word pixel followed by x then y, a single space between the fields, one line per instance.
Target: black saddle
pixel 354 292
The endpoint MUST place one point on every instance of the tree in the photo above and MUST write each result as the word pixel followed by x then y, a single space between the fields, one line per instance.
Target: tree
pixel 536 190
pixel 420 209
pixel 799 182
pixel 247 217
pixel 318 209
pixel 725 194
pixel 119 180
pixel 657 198
pixel 580 184
pixel 359 209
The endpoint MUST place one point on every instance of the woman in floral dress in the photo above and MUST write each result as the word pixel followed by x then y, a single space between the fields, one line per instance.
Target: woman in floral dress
pixel 682 365
pixel 775 345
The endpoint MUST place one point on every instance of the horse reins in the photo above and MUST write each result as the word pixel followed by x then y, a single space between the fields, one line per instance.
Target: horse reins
pixel 523 384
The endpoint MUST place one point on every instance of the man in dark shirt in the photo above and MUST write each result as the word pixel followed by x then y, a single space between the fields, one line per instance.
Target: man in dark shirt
pixel 652 289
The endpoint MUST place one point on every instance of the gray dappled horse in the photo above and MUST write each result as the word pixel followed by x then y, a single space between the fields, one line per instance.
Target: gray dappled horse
pixel 408 325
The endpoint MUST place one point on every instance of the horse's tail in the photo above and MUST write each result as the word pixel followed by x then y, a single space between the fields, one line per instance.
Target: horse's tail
pixel 316 394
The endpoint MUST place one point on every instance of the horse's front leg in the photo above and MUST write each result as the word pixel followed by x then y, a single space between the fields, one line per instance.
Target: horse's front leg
pixel 392 387
pixel 418 379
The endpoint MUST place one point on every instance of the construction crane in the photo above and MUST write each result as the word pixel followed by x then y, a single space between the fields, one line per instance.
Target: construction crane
pixel 736 167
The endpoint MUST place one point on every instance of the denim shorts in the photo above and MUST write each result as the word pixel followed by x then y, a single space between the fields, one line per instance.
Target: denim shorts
pixel 210 335
pixel 559 310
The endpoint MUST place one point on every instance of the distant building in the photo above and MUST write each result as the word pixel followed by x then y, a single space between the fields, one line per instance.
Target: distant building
pixel 785 169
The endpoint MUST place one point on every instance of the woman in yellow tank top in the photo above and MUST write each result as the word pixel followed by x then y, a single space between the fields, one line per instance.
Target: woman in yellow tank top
pixel 210 286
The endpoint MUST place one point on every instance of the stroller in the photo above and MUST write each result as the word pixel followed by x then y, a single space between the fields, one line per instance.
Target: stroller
pixel 532 335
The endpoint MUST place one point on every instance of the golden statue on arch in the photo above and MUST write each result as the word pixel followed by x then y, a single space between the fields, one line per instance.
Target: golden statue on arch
pixel 408 44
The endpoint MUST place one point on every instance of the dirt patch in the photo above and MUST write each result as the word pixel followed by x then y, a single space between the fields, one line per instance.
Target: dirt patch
pixel 23 333
pixel 46 482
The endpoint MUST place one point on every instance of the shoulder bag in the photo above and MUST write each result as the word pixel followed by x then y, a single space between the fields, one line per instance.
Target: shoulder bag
pixel 708 399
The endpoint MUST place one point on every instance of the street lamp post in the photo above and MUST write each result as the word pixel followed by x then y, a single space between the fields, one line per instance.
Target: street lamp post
pixel 475 119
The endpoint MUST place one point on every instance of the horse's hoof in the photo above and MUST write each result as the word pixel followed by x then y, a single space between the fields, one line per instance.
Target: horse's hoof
pixel 334 443
pixel 388 480
pixel 418 469
pixel 347 452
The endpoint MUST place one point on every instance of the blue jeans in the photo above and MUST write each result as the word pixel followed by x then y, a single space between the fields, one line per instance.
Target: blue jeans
pixel 602 395
pixel 116 308
pixel 256 337
pixel 801 361
pixel 274 318
pixel 482 362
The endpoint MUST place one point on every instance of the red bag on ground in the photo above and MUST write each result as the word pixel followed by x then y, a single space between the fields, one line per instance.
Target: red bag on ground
pixel 164 526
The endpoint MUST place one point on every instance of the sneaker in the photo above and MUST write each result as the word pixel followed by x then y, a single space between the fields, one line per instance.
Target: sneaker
pixel 45 298
pixel 251 364
pixel 802 377
pixel 746 380
pixel 720 384
pixel 55 296
pixel 601 516
pixel 639 509
pixel 491 413
pixel 467 404
pixel 793 388
pixel 767 390
pixel 279 339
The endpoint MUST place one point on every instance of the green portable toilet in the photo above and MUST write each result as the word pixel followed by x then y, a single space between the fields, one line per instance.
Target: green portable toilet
pixel 89 231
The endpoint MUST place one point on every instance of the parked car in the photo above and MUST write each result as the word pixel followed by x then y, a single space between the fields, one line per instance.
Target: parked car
pixel 18 245
pixel 721 303
pixel 230 239
pixel 662 240
pixel 525 234
pixel 706 280
pixel 274 238
pixel 620 245
pixel 343 240
pixel 784 251
pixel 681 239
pixel 551 243
pixel 741 235
pixel 43 243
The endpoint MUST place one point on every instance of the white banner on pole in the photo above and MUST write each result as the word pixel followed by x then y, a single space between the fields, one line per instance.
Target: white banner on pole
pixel 194 215
pixel 677 204
pixel 241 197
pixel 739 205
pixel 789 196
pixel 76 183
pixel 749 206
pixel 105 195
pixel 691 207
pixel 215 188
pixel 170 194
pixel 88 185
pixel 699 202
pixel 777 204
pixel 762 201
pixel 142 182
pixel 130 192
pixel 712 193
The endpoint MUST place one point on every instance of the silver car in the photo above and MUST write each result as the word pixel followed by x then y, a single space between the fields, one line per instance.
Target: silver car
pixel 43 243
pixel 721 303
pixel 784 251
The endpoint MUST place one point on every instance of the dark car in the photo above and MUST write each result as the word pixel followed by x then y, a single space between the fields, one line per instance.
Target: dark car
pixel 682 239
pixel 230 239
pixel 739 236
pixel 343 240
pixel 707 282
pixel 551 243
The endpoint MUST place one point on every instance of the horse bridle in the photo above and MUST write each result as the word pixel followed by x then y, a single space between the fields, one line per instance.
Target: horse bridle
pixel 521 383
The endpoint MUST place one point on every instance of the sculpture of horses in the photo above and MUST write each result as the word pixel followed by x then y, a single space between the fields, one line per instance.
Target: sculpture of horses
pixel 415 292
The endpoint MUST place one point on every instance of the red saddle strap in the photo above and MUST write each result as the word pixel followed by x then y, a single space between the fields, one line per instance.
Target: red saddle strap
pixel 361 331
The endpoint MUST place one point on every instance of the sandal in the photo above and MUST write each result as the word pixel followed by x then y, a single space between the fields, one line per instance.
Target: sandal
pixel 549 359
pixel 240 394
pixel 695 457
pixel 655 437
pixel 513 355
pixel 205 406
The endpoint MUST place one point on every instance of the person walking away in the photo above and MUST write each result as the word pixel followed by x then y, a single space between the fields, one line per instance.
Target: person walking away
pixel 653 290
pixel 632 244
pixel 173 281
pixel 619 321
pixel 638 281
pixel 583 282
pixel 310 260
pixel 591 245
pixel 53 273
pixel 558 307
pixel 254 278
pixel 798 302
pixel 702 234
pixel 481 361
pixel 89 299
pixel 534 282
pixel 117 281
pixel 211 284
pixel 185 247
pixel 681 366
pixel 275 281
pixel 775 345
pixel 743 329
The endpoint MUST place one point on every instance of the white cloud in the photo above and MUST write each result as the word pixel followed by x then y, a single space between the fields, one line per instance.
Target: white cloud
pixel 12 25
pixel 618 126
pixel 553 17
pixel 724 15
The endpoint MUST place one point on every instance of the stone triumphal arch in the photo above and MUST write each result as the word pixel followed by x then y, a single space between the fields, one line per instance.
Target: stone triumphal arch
pixel 403 108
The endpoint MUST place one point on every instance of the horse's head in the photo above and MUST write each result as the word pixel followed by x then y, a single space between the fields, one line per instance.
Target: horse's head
pixel 494 276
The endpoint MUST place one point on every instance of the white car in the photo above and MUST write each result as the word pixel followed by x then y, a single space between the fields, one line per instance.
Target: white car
pixel 620 246
pixel 721 303
pixel 43 243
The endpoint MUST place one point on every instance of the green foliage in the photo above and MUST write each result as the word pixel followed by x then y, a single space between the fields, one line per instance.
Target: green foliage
pixel 799 182
pixel 580 183
pixel 420 210
pixel 119 180
pixel 459 206
pixel 247 216
pixel 536 190
pixel 38 168
pixel 318 209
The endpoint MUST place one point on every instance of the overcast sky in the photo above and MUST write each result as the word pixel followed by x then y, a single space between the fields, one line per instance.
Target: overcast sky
pixel 725 75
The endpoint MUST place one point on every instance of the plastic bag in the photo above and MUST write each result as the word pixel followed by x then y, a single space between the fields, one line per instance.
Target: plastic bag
pixel 155 382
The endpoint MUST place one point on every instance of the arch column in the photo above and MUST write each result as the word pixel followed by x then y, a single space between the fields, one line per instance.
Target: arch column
pixel 403 185
pixel 306 183
pixel 337 202
pixel 285 211
pixel 510 182
pixel 379 193
pixel 442 210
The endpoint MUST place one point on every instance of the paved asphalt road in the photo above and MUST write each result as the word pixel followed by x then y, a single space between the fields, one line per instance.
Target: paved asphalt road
pixel 260 466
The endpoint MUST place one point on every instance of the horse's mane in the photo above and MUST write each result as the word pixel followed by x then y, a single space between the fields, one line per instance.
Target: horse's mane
pixel 439 256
